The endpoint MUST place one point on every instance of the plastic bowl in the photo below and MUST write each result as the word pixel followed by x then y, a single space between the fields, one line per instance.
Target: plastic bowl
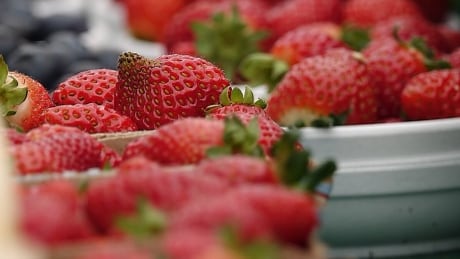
pixel 397 188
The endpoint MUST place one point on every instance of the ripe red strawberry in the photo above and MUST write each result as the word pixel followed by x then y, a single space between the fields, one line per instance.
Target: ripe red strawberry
pixel 55 148
pixel 23 99
pixel 392 63
pixel 183 141
pixel 432 95
pixel 409 27
pixel 179 28
pixel 254 211
pixel 90 117
pixel 91 86
pixel 108 248
pixel 306 41
pixel 147 19
pixel 13 136
pixel 366 13
pixel 165 188
pixel 239 169
pixel 153 92
pixel 234 103
pixel 52 213
pixel 450 35
pixel 454 58
pixel 291 14
pixel 334 84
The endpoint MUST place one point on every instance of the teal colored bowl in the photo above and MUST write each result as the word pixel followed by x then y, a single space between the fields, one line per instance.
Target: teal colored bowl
pixel 397 188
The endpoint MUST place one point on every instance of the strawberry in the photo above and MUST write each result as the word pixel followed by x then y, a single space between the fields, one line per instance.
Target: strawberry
pixel 91 118
pixel 239 169
pixel 255 211
pixel 147 19
pixel 13 136
pixel 230 36
pixel 306 41
pixel 107 248
pixel 366 13
pixel 90 86
pixel 183 141
pixel 153 92
pixel 432 95
pixel 55 148
pixel 433 10
pixel 334 84
pixel 450 35
pixel 66 222
pixel 193 243
pixel 392 63
pixel 22 99
pixel 454 58
pixel 166 189
pixel 291 14
pixel 234 103
pixel 178 28
pixel 409 27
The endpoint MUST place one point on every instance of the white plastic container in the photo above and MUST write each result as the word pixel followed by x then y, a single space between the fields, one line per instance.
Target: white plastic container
pixel 397 189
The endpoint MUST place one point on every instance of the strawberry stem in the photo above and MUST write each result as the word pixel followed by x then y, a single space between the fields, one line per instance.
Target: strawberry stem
pixel 238 139
pixel 145 222
pixel 354 37
pixel 294 167
pixel 10 94
pixel 263 69
pixel 226 40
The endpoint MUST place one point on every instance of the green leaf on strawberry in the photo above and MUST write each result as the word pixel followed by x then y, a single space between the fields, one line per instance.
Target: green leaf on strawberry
pixel 146 221
pixel 10 94
pixel 226 40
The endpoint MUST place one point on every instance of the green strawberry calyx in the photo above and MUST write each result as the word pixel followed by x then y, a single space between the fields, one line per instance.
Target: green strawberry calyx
pixel 239 138
pixel 234 95
pixel 263 69
pixel 226 40
pixel 145 222
pixel 294 166
pixel 419 44
pixel 10 94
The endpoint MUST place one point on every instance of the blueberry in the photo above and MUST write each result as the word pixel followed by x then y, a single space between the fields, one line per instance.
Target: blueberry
pixel 69 45
pixel 9 40
pixel 37 61
pixel 21 21
pixel 108 58
pixel 59 22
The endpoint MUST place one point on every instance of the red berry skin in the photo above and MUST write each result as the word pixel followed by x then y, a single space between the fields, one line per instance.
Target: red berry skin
pixel 13 136
pixel 154 92
pixel 270 131
pixel 90 117
pixel 29 114
pixel 334 83
pixel 432 95
pixel 391 65
pixel 239 170
pixel 52 213
pixel 289 15
pixel 91 86
pixel 215 213
pixel 165 189
pixel 359 12
pixel 410 27
pixel 188 242
pixel 183 141
pixel 291 215
pixel 306 41
pixel 56 148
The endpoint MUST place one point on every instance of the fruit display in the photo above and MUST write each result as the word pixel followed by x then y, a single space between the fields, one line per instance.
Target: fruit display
pixel 227 143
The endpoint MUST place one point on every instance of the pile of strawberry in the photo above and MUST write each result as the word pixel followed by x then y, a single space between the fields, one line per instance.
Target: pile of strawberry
pixel 325 61
pixel 215 177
